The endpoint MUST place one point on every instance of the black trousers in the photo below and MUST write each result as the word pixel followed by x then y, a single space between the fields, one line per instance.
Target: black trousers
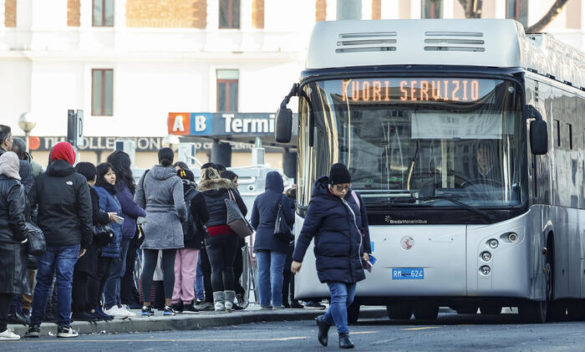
pixel 168 268
pixel 238 270
pixel 5 300
pixel 128 291
pixel 221 250
pixel 96 283
pixel 206 269
pixel 80 292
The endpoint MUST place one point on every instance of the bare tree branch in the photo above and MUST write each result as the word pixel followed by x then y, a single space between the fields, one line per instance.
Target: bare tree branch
pixel 552 13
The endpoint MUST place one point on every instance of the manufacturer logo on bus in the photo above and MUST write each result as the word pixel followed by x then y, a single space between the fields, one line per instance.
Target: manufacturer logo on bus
pixel 407 242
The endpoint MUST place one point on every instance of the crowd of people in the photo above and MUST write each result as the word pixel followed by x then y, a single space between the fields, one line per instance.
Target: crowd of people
pixel 89 216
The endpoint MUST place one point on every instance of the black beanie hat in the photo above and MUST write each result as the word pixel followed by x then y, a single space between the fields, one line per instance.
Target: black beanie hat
pixel 339 174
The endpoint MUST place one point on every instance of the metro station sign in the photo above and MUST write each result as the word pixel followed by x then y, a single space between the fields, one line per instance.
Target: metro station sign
pixel 220 124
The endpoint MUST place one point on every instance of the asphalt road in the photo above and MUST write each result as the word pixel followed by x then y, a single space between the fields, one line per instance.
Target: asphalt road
pixel 451 332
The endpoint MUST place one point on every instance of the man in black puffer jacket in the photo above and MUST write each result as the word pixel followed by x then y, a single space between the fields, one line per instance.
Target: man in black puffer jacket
pixel 65 216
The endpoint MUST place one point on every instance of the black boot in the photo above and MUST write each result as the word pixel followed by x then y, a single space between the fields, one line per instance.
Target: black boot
pixel 322 335
pixel 344 341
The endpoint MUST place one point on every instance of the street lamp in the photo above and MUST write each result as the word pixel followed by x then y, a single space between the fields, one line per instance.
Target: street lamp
pixel 26 123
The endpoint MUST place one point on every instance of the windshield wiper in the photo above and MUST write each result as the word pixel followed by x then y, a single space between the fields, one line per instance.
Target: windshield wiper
pixel 473 209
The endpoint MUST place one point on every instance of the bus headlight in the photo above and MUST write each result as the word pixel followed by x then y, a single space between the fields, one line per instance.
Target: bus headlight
pixel 485 270
pixel 493 243
pixel 486 256
pixel 512 236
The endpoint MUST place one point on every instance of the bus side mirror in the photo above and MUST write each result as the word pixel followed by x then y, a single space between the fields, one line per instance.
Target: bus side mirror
pixel 538 131
pixel 283 130
pixel 538 137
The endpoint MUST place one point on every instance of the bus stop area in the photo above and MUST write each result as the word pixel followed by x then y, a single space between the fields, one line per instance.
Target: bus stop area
pixel 201 320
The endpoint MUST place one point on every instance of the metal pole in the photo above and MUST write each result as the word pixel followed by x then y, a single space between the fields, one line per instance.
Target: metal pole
pixel 349 10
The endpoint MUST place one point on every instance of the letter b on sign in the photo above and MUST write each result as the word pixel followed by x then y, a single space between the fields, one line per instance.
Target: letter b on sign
pixel 201 124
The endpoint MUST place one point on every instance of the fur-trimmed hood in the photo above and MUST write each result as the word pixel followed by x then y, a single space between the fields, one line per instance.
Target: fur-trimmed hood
pixel 214 184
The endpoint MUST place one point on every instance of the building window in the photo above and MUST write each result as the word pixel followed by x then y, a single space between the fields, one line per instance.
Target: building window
pixel 432 9
pixel 102 92
pixel 518 10
pixel 229 14
pixel 103 13
pixel 227 90
pixel 558 128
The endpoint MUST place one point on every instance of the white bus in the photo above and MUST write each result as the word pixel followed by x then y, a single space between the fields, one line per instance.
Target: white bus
pixel 466 142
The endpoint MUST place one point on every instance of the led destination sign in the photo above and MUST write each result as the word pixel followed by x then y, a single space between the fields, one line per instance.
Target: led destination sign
pixel 414 90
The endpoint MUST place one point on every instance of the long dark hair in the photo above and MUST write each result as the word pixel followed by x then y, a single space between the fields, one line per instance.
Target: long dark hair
pixel 121 165
pixel 102 169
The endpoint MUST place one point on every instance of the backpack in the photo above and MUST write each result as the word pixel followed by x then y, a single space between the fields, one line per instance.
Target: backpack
pixel 193 229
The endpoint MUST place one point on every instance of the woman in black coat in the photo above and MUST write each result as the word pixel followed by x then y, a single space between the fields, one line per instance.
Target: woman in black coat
pixel 270 251
pixel 335 220
pixel 12 237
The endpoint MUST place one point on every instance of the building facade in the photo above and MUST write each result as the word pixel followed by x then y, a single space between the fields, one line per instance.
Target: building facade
pixel 131 64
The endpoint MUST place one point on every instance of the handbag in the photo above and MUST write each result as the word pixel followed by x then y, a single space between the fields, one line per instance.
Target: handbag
pixel 235 219
pixel 103 235
pixel 36 244
pixel 282 231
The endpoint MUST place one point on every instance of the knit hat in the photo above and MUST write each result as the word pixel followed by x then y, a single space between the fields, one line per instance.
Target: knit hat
pixel 339 174
pixel 10 165
pixel 63 151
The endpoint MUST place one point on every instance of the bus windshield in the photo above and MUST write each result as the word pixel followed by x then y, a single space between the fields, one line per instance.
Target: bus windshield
pixel 447 142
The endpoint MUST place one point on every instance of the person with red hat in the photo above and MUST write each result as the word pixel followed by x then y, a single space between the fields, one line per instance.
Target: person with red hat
pixel 65 216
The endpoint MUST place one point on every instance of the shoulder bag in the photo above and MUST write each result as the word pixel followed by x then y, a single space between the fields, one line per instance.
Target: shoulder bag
pixel 282 231
pixel 36 244
pixel 235 219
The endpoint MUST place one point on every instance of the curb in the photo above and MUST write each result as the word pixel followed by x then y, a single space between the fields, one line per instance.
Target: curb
pixel 191 321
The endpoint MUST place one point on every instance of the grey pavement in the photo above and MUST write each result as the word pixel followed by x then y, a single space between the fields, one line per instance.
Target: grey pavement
pixel 450 333
pixel 201 320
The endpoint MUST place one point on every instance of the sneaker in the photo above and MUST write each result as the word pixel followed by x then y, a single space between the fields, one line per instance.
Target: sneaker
pixel 8 335
pixel 177 307
pixel 127 310
pixel 84 316
pixel 314 305
pixel 33 331
pixel 189 309
pixel 66 332
pixel 116 312
pixel 296 304
pixel 99 313
pixel 205 306
pixel 147 311
pixel 169 311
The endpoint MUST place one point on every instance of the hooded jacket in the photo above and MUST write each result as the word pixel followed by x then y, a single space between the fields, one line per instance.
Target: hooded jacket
pixel 215 192
pixel 336 226
pixel 199 215
pixel 109 203
pixel 264 214
pixel 160 193
pixel 64 202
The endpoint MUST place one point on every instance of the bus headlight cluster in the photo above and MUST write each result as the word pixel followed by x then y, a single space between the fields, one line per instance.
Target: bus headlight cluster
pixel 485 270
pixel 486 256
pixel 493 243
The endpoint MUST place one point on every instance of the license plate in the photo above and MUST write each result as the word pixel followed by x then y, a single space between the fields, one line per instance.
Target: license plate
pixel 408 274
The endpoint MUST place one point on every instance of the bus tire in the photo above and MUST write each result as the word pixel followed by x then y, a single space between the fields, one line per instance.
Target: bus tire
pixel 399 311
pixel 353 312
pixel 425 311
pixel 537 311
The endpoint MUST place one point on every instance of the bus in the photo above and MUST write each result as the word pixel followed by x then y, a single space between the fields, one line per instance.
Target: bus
pixel 466 142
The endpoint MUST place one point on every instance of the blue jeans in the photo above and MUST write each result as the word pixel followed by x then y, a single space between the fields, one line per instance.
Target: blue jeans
pixel 60 260
pixel 270 277
pixel 199 290
pixel 117 270
pixel 342 296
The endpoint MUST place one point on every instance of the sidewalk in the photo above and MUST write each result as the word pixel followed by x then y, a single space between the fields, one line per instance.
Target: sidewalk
pixel 202 320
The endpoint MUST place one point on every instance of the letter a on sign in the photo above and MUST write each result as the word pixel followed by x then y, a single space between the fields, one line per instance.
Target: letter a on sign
pixel 179 122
